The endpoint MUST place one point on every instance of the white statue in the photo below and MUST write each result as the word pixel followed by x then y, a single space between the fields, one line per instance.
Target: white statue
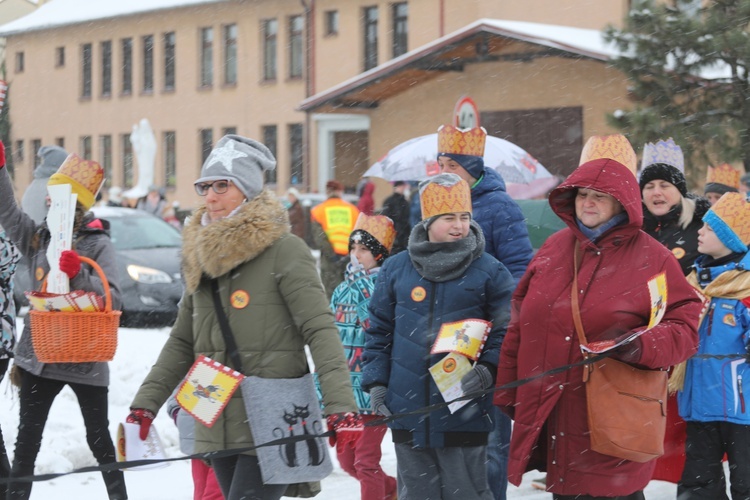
pixel 144 149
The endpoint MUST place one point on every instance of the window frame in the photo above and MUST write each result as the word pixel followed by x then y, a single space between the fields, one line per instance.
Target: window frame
pixel 126 48
pixel 229 44
pixel 126 157
pixel 87 56
pixel 205 146
pixel 331 22
pixel 169 39
pixel 400 31
pixel 270 49
pixel 147 52
pixel 369 45
pixel 105 157
pixel 296 153
pixel 60 57
pixel 206 75
pixel 270 135
pixel 296 52
pixel 106 58
pixel 170 158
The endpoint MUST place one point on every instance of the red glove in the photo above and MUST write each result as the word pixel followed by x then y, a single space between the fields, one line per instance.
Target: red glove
pixel 142 417
pixel 70 263
pixel 347 429
pixel 2 154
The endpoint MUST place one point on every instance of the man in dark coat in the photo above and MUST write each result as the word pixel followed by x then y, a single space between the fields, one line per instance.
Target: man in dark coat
pixel 396 207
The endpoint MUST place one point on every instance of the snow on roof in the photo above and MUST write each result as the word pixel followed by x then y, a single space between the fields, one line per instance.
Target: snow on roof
pixel 56 13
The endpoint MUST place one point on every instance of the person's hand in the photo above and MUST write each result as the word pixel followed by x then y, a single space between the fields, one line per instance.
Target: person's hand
pixel 347 429
pixel 70 263
pixel 142 417
pixel 478 379
pixel 377 400
pixel 2 154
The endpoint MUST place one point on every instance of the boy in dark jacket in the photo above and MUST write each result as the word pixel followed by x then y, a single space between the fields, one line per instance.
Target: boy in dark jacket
pixel 444 278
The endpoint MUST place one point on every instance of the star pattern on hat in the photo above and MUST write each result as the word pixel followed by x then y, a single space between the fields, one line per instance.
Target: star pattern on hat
pixel 225 155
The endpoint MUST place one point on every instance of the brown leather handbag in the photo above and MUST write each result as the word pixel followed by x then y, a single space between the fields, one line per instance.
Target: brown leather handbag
pixel 626 406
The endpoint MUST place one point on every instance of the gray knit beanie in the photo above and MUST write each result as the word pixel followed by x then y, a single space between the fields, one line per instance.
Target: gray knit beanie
pixel 241 160
pixel 52 157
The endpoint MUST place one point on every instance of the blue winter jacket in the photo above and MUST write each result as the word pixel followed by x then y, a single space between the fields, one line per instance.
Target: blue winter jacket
pixel 717 389
pixel 503 223
pixel 406 312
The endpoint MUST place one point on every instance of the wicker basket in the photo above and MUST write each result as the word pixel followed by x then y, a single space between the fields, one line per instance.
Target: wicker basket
pixel 76 337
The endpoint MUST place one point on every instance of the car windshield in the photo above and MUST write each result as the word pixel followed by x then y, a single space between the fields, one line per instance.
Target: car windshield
pixel 135 232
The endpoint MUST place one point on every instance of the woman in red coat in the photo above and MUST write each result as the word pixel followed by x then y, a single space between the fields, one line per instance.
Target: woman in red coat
pixel 601 205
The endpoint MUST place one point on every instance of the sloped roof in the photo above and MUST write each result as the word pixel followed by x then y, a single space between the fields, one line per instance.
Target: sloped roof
pixel 58 13
pixel 484 40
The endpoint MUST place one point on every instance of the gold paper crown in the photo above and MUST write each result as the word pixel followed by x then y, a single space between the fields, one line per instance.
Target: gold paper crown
pixel 724 174
pixel 452 140
pixel 439 199
pixel 615 147
pixel 380 227
pixel 84 176
pixel 734 211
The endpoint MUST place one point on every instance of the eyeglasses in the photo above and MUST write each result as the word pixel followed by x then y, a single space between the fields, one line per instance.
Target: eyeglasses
pixel 219 187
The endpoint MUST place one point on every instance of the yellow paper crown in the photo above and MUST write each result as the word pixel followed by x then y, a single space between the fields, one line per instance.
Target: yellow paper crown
pixel 380 227
pixel 734 211
pixel 724 174
pixel 84 176
pixel 452 140
pixel 615 147
pixel 444 195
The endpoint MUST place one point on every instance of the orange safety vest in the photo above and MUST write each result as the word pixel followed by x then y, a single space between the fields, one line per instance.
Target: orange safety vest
pixel 337 218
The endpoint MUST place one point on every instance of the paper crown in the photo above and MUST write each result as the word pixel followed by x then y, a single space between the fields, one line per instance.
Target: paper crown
pixel 445 194
pixel 379 227
pixel 615 147
pixel 724 174
pixel 452 140
pixel 84 176
pixel 730 220
pixel 663 152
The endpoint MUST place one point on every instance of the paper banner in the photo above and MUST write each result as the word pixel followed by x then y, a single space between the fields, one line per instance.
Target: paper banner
pixel 465 337
pixel 130 446
pixel 207 389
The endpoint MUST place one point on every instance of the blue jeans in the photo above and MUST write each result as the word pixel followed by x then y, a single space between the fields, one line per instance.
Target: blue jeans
pixel 498 446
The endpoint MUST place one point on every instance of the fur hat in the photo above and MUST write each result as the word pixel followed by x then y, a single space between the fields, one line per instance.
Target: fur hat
pixel 464 146
pixel 376 232
pixel 241 160
pixel 730 220
pixel 443 194
pixel 84 176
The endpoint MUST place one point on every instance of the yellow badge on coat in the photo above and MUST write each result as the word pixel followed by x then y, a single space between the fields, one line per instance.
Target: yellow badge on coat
pixel 39 274
pixel 418 294
pixel 729 320
pixel 678 252
pixel 239 299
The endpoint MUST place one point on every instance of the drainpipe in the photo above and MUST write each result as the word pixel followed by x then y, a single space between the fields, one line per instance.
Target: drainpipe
pixel 309 6
pixel 442 17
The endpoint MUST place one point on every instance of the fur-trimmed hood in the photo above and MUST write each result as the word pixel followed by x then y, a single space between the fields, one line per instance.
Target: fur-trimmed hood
pixel 219 247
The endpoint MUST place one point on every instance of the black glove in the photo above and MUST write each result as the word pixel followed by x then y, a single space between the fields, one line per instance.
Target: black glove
pixel 377 401
pixel 478 379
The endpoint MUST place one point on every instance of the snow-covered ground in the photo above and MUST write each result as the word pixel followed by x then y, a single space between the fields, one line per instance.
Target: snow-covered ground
pixel 64 445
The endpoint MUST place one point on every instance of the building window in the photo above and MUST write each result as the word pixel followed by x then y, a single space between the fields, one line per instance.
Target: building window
pixel 207 57
pixel 19 151
pixel 86 70
pixel 229 131
pixel 105 158
pixel 60 141
pixel 269 139
pixel 86 147
pixel 20 62
pixel 148 63
pixel 106 48
pixel 127 65
pixel 127 161
pixel 170 159
pixel 400 28
pixel 169 60
pixel 59 57
pixel 36 144
pixel 296 175
pixel 296 26
pixel 230 54
pixel 207 143
pixel 332 22
pixel 371 37
pixel 270 32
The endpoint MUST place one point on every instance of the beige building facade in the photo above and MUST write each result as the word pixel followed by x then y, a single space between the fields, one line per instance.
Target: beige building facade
pixel 214 67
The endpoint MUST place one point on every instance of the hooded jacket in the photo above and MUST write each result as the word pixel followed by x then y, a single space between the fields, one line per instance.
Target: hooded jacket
pixel 503 223
pixel 251 254
pixel 551 431
pixel 32 239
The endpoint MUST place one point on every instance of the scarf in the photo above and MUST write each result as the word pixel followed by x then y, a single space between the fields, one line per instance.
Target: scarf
pixel 731 284
pixel 441 262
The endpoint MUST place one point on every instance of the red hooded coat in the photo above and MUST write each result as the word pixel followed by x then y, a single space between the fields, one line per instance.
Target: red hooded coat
pixel 551 428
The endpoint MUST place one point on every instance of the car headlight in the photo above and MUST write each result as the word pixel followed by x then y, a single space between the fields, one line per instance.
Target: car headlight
pixel 148 275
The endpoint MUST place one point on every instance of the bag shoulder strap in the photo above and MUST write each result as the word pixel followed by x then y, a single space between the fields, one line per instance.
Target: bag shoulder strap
pixel 226 331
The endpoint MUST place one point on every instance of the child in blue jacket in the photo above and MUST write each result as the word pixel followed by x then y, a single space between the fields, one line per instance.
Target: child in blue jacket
pixel 445 277
pixel 713 400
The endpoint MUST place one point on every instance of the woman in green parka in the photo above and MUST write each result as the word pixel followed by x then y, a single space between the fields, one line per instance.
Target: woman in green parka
pixel 272 297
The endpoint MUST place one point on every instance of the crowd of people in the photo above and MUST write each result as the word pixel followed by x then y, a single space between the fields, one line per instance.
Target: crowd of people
pixel 387 319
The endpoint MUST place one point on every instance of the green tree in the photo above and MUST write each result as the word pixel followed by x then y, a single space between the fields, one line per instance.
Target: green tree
pixel 689 75
pixel 5 127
